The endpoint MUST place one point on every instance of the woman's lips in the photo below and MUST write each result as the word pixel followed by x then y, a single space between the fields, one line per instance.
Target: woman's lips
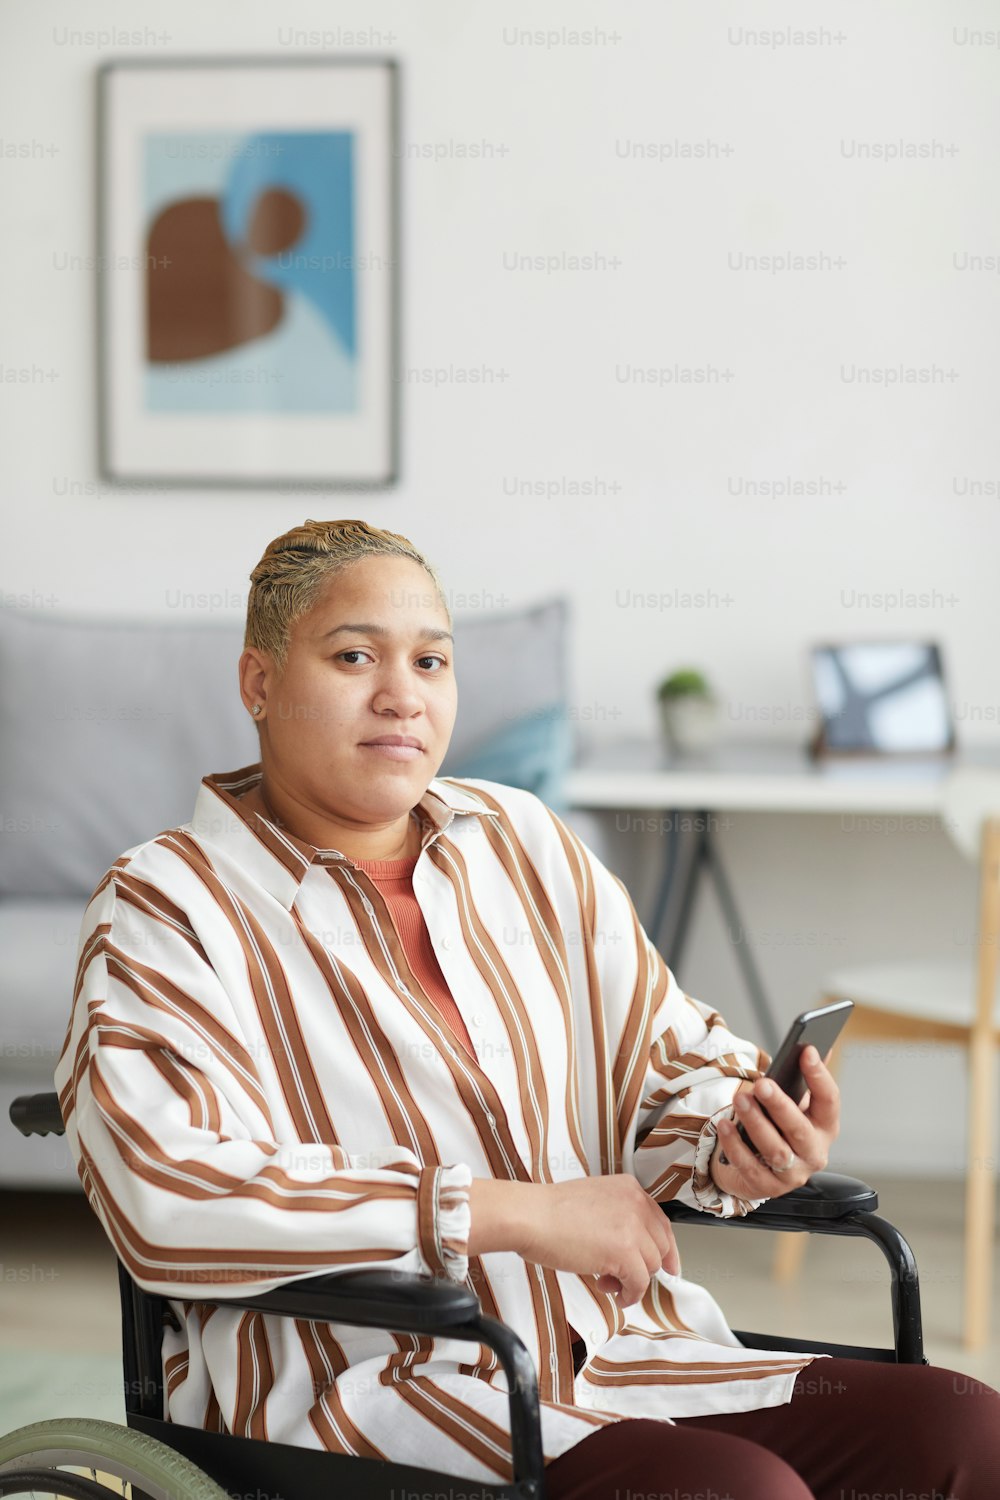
pixel 395 752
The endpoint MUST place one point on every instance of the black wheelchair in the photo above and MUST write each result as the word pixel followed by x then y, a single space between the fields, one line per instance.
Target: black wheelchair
pixel 162 1460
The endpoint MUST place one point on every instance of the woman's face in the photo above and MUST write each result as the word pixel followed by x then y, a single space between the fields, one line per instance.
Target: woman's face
pixel 372 658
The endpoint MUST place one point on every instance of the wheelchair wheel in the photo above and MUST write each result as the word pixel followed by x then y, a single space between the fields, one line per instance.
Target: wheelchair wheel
pixel 45 1459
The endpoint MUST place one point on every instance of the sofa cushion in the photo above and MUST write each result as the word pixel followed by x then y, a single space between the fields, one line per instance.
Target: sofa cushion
pixel 534 752
pixel 107 727
pixel 38 940
pixel 513 726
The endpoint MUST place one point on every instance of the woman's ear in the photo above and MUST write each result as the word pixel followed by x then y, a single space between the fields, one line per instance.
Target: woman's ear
pixel 255 672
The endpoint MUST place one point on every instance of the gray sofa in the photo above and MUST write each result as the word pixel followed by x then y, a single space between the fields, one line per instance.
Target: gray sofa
pixel 106 728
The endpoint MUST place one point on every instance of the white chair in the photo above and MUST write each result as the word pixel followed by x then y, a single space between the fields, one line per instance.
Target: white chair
pixel 949 1002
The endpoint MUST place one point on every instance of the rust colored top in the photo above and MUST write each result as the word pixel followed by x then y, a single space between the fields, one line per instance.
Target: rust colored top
pixel 394 878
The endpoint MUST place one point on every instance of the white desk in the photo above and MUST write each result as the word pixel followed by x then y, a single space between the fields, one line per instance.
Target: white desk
pixel 760 776
pixel 751 776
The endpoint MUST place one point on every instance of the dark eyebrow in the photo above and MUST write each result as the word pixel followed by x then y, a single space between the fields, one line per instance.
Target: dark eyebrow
pixel 431 633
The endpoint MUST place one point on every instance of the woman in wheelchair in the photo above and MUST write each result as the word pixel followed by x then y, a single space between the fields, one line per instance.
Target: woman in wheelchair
pixel 354 1015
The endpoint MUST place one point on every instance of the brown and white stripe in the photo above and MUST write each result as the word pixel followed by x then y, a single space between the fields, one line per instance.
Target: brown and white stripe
pixel 257 1088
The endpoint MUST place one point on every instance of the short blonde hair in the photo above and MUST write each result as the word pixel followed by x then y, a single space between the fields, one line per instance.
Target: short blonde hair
pixel 287 581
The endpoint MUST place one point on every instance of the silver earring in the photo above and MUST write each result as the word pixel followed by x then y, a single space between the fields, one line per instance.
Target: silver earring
pixel 256 709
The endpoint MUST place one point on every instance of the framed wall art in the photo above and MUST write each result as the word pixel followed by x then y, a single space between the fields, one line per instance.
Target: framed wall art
pixel 247 268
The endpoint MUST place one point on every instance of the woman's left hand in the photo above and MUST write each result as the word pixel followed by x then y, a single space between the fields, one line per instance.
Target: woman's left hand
pixel 797 1137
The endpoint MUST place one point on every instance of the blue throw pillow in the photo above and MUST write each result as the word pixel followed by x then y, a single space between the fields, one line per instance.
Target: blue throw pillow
pixel 535 752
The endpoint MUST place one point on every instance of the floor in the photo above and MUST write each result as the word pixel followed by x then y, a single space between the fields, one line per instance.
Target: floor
pixel 60 1328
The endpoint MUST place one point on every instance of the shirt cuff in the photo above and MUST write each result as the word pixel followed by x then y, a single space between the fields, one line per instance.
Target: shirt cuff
pixel 707 1195
pixel 444 1219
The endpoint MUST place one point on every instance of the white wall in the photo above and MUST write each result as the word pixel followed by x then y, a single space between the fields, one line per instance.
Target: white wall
pixel 907 476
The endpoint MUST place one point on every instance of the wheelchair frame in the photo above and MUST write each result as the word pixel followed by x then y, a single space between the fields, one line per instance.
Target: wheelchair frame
pixel 829 1203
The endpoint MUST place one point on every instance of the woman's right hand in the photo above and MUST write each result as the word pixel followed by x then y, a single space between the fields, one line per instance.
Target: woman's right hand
pixel 604 1226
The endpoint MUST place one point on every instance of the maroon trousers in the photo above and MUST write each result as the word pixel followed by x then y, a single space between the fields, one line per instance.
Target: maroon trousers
pixel 855 1429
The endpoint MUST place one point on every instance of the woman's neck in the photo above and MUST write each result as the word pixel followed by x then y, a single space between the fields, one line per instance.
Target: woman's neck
pixel 392 842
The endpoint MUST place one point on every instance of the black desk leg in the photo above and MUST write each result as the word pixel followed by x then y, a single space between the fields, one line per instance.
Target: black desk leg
pixel 698 858
pixel 741 944
pixel 705 855
pixel 662 897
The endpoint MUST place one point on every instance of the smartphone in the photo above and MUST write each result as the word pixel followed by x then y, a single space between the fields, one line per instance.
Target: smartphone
pixel 820 1027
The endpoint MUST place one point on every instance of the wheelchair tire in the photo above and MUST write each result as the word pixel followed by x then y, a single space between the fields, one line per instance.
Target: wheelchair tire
pixel 58 1483
pixel 154 1471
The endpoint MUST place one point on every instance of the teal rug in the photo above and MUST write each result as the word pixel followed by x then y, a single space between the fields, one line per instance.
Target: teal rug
pixel 35 1387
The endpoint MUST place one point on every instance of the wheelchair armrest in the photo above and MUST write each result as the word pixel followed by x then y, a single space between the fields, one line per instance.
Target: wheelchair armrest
pixel 401 1300
pixel 405 1302
pixel 38 1114
pixel 826 1196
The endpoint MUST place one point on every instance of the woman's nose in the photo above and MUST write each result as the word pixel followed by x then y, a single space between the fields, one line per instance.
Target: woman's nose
pixel 399 692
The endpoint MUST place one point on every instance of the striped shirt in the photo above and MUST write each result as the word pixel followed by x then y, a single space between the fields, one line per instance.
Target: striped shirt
pixel 257 1088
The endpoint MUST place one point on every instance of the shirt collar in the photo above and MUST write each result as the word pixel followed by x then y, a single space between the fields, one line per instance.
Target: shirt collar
pixel 278 860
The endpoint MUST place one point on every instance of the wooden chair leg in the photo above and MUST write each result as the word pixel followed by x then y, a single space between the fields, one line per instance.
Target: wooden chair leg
pixel 980 1183
pixel 790 1251
pixel 980 1192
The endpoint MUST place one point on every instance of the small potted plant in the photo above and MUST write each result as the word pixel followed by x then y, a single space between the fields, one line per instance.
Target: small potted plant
pixel 689 711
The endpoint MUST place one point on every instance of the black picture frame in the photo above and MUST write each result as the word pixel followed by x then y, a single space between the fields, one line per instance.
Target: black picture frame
pixel 848 708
